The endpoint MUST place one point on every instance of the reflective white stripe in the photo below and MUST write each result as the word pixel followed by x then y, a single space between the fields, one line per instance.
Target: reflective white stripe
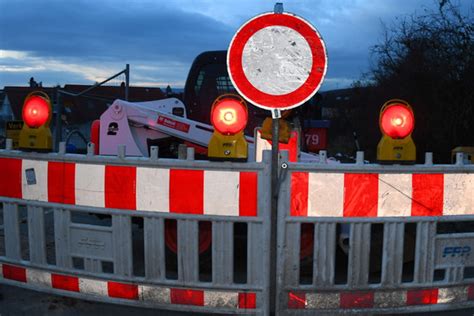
pixel 93 287
pixel 153 186
pixel 322 300
pixel 390 299
pixel 395 192
pixel 325 194
pixel 452 294
pixel 160 295
pixel 221 299
pixel 90 185
pixel 221 193
pixel 38 172
pixel 458 194
pixel 38 277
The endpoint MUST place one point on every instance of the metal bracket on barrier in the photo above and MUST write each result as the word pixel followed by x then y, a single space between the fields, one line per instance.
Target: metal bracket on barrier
pixel 283 171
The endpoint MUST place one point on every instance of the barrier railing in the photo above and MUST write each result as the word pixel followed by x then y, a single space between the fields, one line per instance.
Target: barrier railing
pixel 371 238
pixel 195 235
pixel 171 234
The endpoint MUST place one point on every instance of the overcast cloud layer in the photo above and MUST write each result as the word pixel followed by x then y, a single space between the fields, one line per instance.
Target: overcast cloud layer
pixel 61 42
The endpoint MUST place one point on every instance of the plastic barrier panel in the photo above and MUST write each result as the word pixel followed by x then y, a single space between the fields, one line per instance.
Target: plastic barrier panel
pixel 169 234
pixel 375 239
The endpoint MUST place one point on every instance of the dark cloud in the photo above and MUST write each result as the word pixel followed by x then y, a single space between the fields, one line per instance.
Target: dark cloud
pixel 106 30
pixel 86 40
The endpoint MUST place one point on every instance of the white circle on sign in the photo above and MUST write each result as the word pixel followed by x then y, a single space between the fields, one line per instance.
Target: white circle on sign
pixel 277 60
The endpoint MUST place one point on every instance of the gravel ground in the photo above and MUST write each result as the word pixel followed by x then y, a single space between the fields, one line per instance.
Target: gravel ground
pixel 16 301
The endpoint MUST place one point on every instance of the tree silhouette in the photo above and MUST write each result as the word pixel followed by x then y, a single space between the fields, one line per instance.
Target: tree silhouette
pixel 428 60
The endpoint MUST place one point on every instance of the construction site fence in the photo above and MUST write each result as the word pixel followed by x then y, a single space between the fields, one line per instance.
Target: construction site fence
pixel 188 235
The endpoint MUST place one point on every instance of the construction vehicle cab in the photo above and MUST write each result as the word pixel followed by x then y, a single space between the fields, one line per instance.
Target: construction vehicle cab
pixel 207 80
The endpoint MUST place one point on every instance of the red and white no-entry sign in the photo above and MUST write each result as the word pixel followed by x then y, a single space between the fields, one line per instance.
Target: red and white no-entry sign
pixel 277 61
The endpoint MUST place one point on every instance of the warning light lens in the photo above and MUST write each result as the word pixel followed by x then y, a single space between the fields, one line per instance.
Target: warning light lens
pixel 229 116
pixel 397 121
pixel 36 111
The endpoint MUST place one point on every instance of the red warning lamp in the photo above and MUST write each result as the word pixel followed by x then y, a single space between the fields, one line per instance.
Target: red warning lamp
pixel 229 116
pixel 36 111
pixel 397 121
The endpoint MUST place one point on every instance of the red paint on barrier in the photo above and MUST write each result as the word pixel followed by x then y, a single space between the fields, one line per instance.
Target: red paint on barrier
pixel 296 300
pixel 65 282
pixel 422 297
pixel 361 194
pixel 10 179
pixel 299 194
pixel 427 196
pixel 122 290
pixel 248 193
pixel 186 191
pixel 357 299
pixel 61 179
pixel 120 187
pixel 248 300
pixel 470 293
pixel 14 273
pixel 187 297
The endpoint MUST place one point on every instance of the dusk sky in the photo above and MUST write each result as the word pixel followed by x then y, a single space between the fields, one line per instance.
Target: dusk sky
pixel 59 42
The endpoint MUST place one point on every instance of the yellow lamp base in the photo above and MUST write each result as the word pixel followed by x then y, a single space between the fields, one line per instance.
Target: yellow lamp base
pixel 228 147
pixel 396 150
pixel 38 139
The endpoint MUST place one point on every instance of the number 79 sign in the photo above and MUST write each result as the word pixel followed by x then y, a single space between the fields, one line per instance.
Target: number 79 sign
pixel 315 139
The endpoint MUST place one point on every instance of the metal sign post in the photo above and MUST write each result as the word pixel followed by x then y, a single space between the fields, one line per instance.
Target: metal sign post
pixel 276 114
pixel 276 61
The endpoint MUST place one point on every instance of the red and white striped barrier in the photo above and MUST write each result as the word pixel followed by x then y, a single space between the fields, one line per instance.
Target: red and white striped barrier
pixel 381 299
pixel 381 195
pixel 208 192
pixel 118 290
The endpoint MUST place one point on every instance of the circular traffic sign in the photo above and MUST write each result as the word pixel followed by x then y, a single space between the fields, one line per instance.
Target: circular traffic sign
pixel 277 61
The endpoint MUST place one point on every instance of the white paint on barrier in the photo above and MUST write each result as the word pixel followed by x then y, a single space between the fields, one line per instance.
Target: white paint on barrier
pixel 93 287
pixel 159 295
pixel 221 193
pixel 325 194
pixel 322 300
pixel 34 180
pixel 458 194
pixel 260 145
pixel 153 186
pixel 452 294
pixel 221 299
pixel 90 185
pixel 395 195
pixel 387 299
pixel 38 277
